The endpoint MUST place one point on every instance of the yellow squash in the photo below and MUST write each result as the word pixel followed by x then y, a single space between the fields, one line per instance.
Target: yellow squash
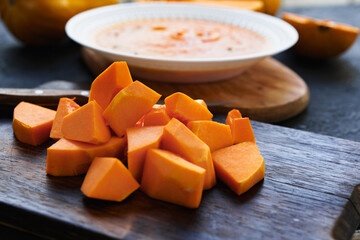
pixel 42 22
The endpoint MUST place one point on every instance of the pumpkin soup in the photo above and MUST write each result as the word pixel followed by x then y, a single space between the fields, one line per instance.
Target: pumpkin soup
pixel 181 39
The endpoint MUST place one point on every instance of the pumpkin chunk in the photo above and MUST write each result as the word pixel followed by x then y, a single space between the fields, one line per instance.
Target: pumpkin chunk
pixel 86 124
pixel 140 139
pixel 240 166
pixel 177 138
pixel 171 178
pixel 108 179
pixel 231 115
pixel 65 107
pixel 185 109
pixel 157 116
pixel 215 135
pixel 71 158
pixel 241 129
pixel 129 105
pixel 32 123
pixel 202 102
pixel 104 88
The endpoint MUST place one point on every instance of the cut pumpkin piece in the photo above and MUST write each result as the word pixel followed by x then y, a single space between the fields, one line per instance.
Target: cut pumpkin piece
pixel 65 107
pixel 177 138
pixel 156 108
pixel 321 39
pixel 215 135
pixel 32 123
pixel 86 124
pixel 185 109
pixel 139 140
pixel 104 88
pixel 241 129
pixel 71 158
pixel 202 102
pixel 157 116
pixel 231 115
pixel 170 178
pixel 129 105
pixel 240 166
pixel 108 179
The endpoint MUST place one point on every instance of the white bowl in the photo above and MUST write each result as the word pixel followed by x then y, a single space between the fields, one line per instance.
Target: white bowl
pixel 82 28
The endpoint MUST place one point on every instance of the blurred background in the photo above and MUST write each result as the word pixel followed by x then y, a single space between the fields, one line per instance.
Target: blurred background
pixel 302 3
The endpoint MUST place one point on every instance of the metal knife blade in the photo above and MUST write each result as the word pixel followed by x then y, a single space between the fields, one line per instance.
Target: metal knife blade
pixel 43 97
pixel 50 98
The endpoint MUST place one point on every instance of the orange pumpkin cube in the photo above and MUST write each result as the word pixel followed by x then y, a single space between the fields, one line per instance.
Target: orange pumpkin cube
pixel 139 140
pixel 71 158
pixel 156 117
pixel 241 129
pixel 240 166
pixel 32 123
pixel 177 138
pixel 129 105
pixel 65 107
pixel 185 109
pixel 105 87
pixel 215 135
pixel 108 179
pixel 171 178
pixel 86 124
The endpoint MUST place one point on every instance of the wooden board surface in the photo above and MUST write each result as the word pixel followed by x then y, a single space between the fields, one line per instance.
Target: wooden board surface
pixel 267 92
pixel 309 192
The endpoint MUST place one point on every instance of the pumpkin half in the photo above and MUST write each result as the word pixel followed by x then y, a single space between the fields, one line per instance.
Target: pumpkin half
pixel 321 39
pixel 42 22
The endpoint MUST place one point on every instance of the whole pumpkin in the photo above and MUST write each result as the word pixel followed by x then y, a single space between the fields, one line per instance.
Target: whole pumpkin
pixel 42 22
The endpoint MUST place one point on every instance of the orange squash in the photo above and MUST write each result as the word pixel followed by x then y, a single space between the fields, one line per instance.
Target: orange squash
pixel 140 140
pixel 241 128
pixel 71 158
pixel 239 166
pixel 86 124
pixel 108 179
pixel 171 178
pixel 65 106
pixel 109 83
pixel 177 138
pixel 271 6
pixel 321 39
pixel 157 116
pixel 215 135
pixel 185 109
pixel 42 22
pixel 32 123
pixel 129 105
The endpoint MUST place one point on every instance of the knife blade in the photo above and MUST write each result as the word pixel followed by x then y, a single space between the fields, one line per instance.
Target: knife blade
pixel 43 97
pixel 50 98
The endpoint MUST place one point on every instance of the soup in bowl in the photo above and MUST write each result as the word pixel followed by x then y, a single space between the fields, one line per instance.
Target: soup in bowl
pixel 176 42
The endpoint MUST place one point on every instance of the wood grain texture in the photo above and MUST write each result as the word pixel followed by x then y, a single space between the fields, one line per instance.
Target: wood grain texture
pixel 267 92
pixel 308 193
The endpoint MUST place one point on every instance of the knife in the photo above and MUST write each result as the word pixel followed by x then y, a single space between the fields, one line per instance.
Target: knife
pixel 44 97
pixel 50 97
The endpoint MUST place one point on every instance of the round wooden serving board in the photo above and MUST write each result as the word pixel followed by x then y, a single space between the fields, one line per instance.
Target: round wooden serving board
pixel 268 92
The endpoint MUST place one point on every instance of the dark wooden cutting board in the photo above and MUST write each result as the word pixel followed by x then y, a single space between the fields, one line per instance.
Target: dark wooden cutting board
pixel 309 192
